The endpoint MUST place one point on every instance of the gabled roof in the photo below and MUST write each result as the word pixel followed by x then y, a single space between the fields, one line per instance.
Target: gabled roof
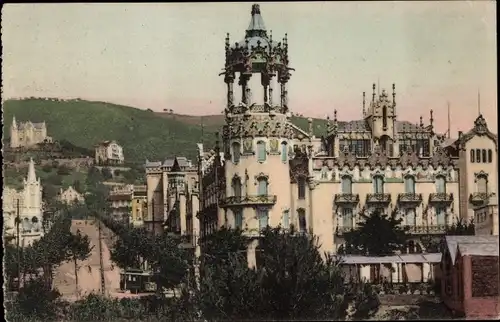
pixel 480 129
pixel 472 245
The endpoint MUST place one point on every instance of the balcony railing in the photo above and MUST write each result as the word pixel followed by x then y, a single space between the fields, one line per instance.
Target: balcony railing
pixel 341 230
pixel 478 198
pixel 410 197
pixel 346 198
pixel 378 198
pixel 249 200
pixel 441 197
pixel 427 229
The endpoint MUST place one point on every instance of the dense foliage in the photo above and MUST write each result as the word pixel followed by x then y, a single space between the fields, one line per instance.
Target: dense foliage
pixel 377 235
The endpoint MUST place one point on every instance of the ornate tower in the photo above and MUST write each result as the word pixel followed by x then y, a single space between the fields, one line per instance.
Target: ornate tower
pixel 381 117
pixel 257 135
pixel 32 195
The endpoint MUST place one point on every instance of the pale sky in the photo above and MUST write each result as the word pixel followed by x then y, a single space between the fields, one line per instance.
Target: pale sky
pixel 169 55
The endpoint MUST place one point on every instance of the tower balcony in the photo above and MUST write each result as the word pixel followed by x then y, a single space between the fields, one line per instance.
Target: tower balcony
pixel 250 200
pixel 478 198
pixel 378 198
pixel 347 198
pixel 441 197
pixel 410 197
pixel 427 229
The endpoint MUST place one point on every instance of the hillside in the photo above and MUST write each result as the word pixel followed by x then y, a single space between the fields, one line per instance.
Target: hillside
pixel 143 134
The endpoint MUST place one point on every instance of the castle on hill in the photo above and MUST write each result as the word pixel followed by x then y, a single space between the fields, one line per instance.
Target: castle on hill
pixel 28 134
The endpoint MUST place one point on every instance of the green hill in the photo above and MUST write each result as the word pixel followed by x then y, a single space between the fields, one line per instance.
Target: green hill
pixel 143 134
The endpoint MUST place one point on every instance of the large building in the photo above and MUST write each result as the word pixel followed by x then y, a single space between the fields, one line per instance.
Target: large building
pixel 27 134
pixel 267 171
pixel 26 203
pixel 109 153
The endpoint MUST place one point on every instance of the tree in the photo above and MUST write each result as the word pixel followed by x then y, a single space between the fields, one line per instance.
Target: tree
pixel 461 227
pixel 378 235
pixel 55 180
pixel 63 170
pixel 107 173
pixel 78 249
pixel 47 168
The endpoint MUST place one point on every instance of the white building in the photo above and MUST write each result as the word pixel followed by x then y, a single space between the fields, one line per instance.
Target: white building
pixel 26 134
pixel 108 153
pixel 30 209
pixel 70 196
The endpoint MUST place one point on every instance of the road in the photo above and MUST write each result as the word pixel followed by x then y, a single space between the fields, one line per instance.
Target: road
pixel 89 277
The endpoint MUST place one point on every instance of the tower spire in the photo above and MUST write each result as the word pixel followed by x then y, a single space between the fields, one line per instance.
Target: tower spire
pixel 449 120
pixel 31 171
pixel 256 26
pixel 478 102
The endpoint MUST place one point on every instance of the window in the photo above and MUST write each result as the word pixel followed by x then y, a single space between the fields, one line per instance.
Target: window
pixel 301 185
pixel 286 219
pixel 419 146
pixel 472 154
pixel 361 148
pixel 237 187
pixel 490 156
pixel 478 156
pixel 410 184
pixel 236 152
pixel 378 184
pixel 346 185
pixel 261 151
pixel 262 187
pixel 384 117
pixel 440 184
pixel 484 156
pixel 347 218
pixel 441 215
pixel 263 215
pixel 411 219
pixel 284 152
pixel 302 220
pixel 482 184
pixel 238 219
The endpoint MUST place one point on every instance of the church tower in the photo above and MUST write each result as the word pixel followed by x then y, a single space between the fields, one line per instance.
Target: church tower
pixel 381 118
pixel 32 209
pixel 257 135
pixel 14 135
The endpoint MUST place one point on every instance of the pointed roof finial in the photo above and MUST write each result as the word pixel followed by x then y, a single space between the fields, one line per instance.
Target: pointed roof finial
pixel 432 118
pixel 335 116
pixel 364 111
pixel 31 171
pixel 373 93
pixel 256 26
pixel 421 121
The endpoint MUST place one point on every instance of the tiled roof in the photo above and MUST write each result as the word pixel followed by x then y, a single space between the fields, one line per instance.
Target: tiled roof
pixel 473 245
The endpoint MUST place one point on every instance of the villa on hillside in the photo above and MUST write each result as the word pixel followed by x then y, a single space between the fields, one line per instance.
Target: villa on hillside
pixel 109 153
pixel 70 196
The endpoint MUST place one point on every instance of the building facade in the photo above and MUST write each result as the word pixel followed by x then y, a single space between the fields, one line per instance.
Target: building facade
pixel 139 205
pixel 470 283
pixel 109 153
pixel 264 170
pixel 173 197
pixel 124 205
pixel 27 134
pixel 30 209
pixel 70 196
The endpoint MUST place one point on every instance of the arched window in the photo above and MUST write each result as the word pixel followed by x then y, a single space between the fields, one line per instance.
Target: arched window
pixel 302 220
pixel 236 152
pixel 286 219
pixel 301 185
pixel 262 187
pixel 284 151
pixel 482 184
pixel 347 218
pixel 440 184
pixel 472 154
pixel 26 224
pixel 410 184
pixel 478 156
pixel 238 218
pixel 378 184
pixel 261 151
pixel 237 187
pixel 485 158
pixel 490 156
pixel 263 215
pixel 346 185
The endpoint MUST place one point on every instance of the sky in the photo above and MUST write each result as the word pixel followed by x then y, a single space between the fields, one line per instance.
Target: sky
pixel 169 55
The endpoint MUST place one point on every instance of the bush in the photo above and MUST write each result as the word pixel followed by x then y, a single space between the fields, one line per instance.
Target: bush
pixel 55 180
pixel 47 168
pixel 63 170
pixel 107 173
pixel 55 164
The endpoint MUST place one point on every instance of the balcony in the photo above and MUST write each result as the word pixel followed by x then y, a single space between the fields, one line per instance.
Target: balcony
pixel 410 197
pixel 258 200
pixel 378 198
pixel 346 198
pixel 427 229
pixel 478 198
pixel 440 197
pixel 341 230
